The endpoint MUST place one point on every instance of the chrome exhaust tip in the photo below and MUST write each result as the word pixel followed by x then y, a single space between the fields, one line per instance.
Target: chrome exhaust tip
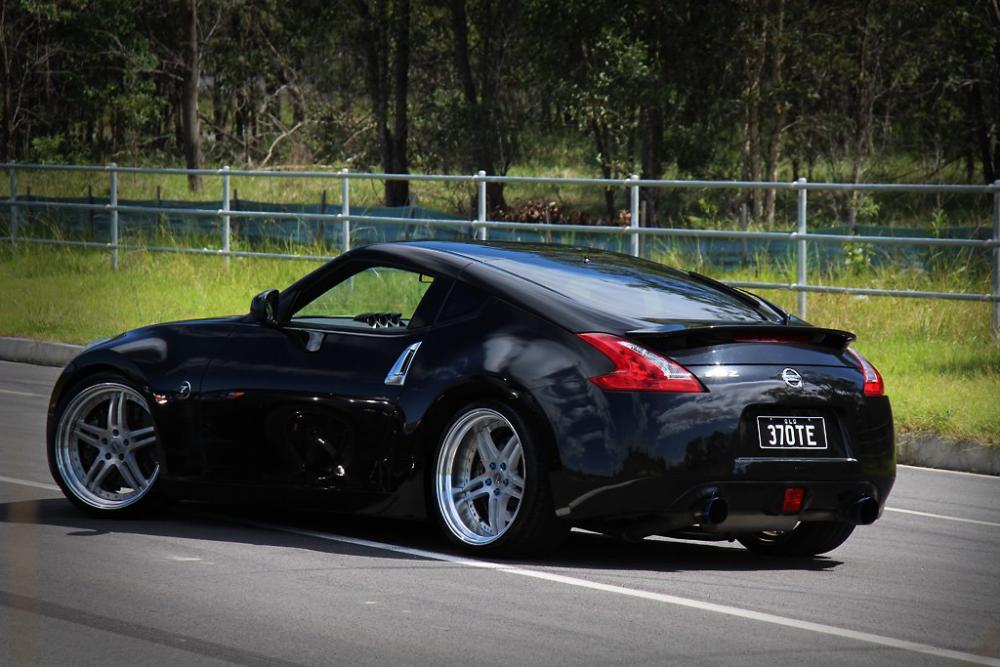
pixel 863 511
pixel 714 511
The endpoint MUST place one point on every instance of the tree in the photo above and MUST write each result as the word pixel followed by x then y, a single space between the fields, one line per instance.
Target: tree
pixel 384 33
pixel 189 101
pixel 983 67
pixel 609 103
pixel 20 43
pixel 484 45
pixel 764 99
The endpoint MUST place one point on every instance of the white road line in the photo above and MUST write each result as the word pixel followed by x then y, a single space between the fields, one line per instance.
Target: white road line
pixel 727 610
pixel 950 472
pixel 27 482
pixel 773 619
pixel 21 393
pixel 942 516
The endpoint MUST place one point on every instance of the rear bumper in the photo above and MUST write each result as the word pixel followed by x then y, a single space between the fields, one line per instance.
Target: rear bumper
pixel 756 506
pixel 658 459
pixel 825 499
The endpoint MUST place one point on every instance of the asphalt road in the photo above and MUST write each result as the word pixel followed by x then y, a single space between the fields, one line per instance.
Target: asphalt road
pixel 196 586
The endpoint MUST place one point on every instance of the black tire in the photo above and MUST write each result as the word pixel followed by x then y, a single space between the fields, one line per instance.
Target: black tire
pixel 806 539
pixel 131 464
pixel 534 529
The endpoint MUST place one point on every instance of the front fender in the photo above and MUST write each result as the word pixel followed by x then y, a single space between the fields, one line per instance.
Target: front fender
pixel 157 359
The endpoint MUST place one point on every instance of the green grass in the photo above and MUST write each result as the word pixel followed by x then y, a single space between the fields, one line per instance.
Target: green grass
pixel 940 362
pixel 939 359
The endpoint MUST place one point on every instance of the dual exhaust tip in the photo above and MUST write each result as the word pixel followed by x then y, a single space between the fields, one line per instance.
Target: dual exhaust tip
pixel 715 510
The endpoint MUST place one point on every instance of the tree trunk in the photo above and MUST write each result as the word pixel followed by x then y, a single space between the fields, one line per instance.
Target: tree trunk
pixel 6 143
pixel 601 145
pixel 778 111
pixel 397 193
pixel 753 67
pixel 6 82
pixel 460 34
pixel 220 106
pixel 189 104
pixel 385 38
pixel 982 133
pixel 986 133
pixel 484 126
pixel 865 114
pixel 652 157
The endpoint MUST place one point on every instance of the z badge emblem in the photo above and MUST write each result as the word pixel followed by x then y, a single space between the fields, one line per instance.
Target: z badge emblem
pixel 791 378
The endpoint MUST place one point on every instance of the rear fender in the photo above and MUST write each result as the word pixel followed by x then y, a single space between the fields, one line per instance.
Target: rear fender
pixel 444 407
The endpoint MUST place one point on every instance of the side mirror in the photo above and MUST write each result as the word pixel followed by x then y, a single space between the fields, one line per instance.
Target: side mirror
pixel 264 307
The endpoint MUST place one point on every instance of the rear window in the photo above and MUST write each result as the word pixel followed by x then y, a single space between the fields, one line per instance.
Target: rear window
pixel 630 287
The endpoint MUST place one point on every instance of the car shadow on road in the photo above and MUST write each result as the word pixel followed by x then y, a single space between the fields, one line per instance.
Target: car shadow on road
pixel 297 529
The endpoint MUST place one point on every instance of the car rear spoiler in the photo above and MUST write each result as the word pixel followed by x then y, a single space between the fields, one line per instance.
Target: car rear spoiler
pixel 687 334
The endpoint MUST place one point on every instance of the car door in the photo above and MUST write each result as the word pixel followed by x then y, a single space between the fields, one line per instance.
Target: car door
pixel 313 403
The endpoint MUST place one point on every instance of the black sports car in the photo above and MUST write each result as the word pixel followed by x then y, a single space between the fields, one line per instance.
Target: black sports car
pixel 507 391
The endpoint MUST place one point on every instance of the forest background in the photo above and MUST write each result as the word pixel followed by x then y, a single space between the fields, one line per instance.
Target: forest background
pixel 845 91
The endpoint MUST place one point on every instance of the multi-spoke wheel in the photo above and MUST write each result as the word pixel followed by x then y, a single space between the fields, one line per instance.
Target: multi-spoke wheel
pixel 490 491
pixel 103 450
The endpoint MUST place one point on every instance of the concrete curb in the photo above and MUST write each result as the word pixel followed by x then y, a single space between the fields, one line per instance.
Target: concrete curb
pixel 38 352
pixel 929 451
pixel 934 451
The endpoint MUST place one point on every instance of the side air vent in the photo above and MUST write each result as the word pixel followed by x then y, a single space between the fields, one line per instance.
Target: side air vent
pixel 397 374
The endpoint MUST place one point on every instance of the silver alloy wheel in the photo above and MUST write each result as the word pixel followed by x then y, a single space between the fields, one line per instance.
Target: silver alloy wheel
pixel 479 476
pixel 103 446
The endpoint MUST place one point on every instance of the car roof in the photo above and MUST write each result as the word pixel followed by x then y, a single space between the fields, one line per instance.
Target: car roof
pixel 488 251
pixel 562 283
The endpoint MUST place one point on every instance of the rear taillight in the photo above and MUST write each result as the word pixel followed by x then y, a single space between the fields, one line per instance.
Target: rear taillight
pixel 874 386
pixel 638 369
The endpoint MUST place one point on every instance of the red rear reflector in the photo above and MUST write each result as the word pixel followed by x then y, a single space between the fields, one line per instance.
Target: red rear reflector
pixel 794 496
pixel 638 369
pixel 874 386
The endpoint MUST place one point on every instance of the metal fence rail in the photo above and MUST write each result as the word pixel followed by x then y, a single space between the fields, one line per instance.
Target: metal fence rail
pixel 481 225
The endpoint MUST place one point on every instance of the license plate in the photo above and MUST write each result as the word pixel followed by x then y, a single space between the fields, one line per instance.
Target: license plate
pixel 791 432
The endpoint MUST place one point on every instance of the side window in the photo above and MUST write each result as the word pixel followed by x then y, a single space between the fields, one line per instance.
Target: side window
pixel 462 300
pixel 373 298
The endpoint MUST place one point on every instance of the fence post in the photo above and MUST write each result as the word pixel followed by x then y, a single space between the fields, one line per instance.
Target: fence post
pixel 13 205
pixel 480 180
pixel 114 215
pixel 996 259
pixel 345 209
pixel 634 214
pixel 802 279
pixel 226 228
